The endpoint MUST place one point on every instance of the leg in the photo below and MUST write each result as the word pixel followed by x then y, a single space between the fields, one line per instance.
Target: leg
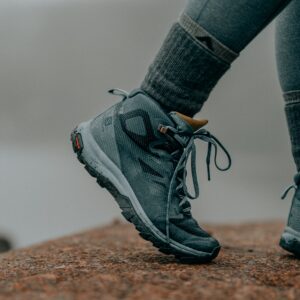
pixel 288 61
pixel 200 48
pixel 139 151
pixel 238 23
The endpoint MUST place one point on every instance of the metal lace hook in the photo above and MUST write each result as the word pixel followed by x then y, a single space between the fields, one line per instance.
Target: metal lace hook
pixel 119 92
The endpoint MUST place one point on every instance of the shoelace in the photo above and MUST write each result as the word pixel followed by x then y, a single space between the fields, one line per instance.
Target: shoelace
pixel 285 193
pixel 190 149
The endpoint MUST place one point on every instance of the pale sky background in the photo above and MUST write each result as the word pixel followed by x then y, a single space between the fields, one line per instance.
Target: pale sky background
pixel 58 59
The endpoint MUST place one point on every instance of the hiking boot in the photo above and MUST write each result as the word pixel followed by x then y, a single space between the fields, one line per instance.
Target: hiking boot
pixel 138 152
pixel 290 239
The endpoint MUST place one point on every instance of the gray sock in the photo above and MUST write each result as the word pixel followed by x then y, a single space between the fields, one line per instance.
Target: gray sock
pixel 187 67
pixel 292 110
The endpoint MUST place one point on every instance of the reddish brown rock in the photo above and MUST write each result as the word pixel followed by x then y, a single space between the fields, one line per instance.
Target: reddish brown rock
pixel 114 263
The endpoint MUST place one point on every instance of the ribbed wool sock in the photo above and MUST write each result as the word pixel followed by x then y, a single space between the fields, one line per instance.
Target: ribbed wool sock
pixel 292 110
pixel 187 67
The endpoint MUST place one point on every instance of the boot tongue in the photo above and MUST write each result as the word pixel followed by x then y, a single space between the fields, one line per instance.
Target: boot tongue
pixel 186 123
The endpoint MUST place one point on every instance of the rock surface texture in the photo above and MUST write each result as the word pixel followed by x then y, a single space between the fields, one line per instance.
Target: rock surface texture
pixel 114 263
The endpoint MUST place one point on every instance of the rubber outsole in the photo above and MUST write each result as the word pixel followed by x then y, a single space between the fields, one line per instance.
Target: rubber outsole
pixel 290 241
pixel 129 213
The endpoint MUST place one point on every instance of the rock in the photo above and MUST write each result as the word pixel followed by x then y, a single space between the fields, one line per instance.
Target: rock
pixel 114 263
pixel 5 245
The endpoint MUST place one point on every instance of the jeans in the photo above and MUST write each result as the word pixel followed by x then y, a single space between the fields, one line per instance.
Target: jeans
pixel 236 23
pixel 287 42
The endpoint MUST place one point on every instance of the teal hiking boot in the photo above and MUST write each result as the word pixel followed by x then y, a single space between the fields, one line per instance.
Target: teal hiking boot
pixel 290 239
pixel 139 152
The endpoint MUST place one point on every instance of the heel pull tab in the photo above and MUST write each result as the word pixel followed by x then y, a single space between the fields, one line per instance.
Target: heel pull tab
pixel 119 92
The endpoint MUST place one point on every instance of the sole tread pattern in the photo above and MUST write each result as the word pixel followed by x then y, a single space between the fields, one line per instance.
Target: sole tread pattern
pixel 290 243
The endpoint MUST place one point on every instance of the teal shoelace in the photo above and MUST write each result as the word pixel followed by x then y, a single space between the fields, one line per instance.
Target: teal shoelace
pixel 188 149
pixel 285 193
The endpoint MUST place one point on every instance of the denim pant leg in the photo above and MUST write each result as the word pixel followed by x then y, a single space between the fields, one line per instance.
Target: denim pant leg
pixel 234 22
pixel 287 43
pixel 288 63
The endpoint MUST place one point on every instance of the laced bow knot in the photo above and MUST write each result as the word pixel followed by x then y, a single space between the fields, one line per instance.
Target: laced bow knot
pixel 185 143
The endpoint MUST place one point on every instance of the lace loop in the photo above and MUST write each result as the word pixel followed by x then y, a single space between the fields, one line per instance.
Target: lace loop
pixel 190 149
pixel 285 193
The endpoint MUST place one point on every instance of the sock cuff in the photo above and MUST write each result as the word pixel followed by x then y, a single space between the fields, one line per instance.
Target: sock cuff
pixel 183 72
pixel 292 97
pixel 205 38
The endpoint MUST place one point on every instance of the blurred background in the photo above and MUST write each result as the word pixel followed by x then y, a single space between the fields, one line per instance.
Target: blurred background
pixel 59 57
